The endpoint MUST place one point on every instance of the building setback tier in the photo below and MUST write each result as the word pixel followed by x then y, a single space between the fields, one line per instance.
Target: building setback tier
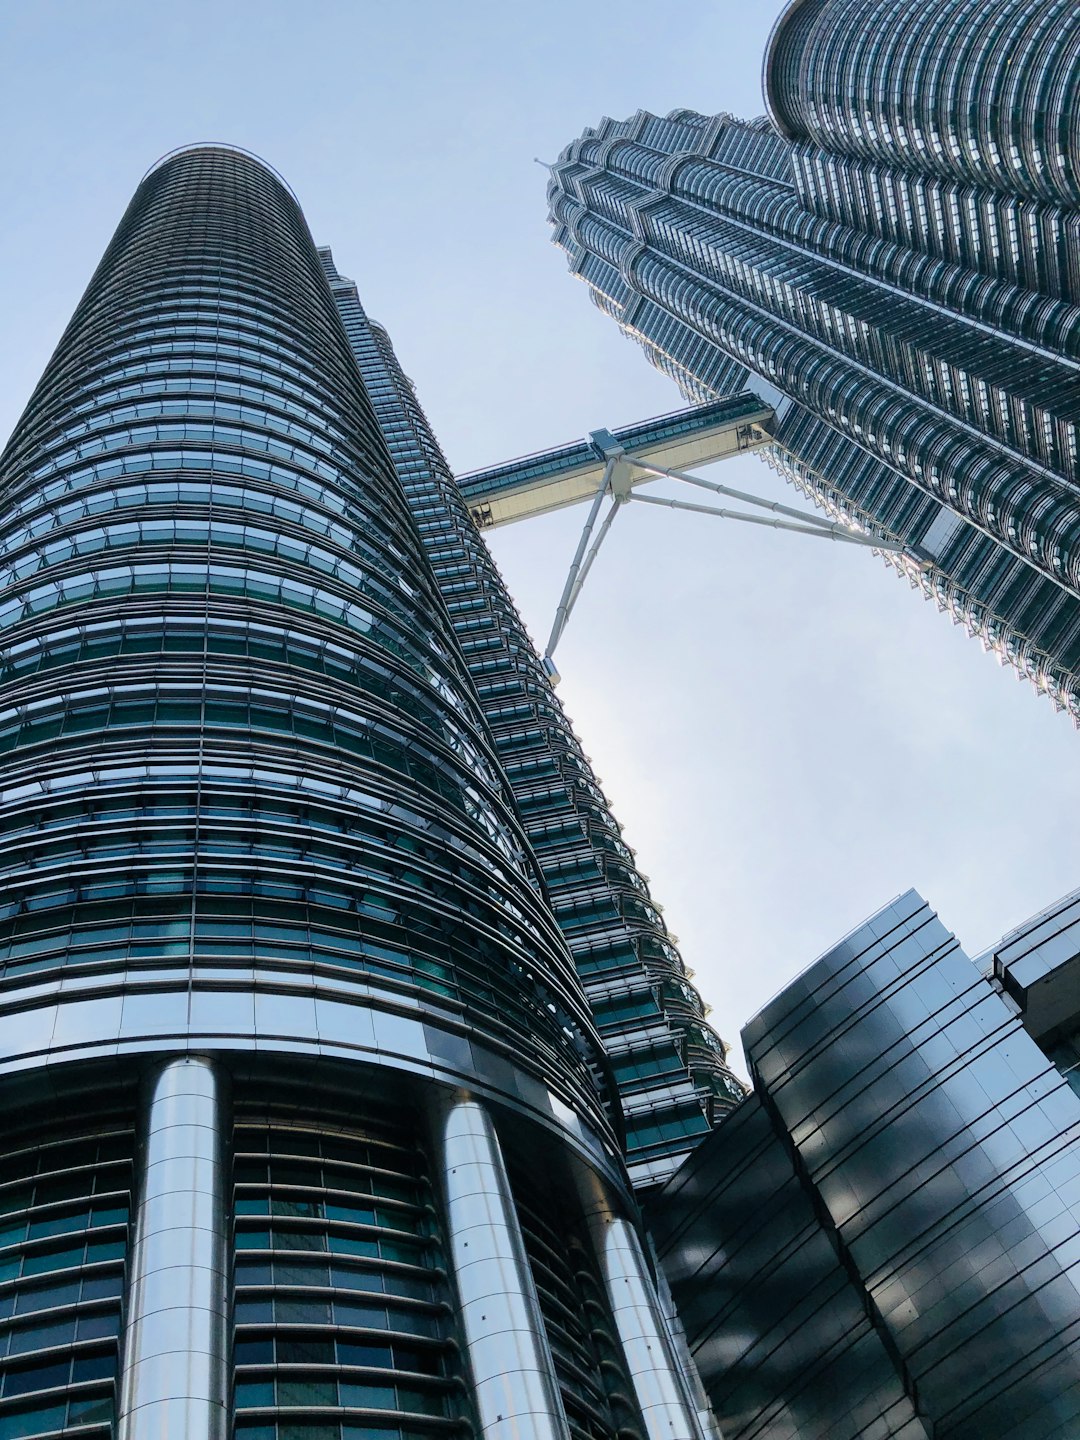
pixel 898 269
pixel 669 1065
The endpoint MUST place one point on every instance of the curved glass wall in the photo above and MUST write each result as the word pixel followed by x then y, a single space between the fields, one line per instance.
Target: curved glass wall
pixel 265 1249
pixel 65 1203
pixel 974 91
pixel 246 788
pixel 591 1368
pixel 268 909
pixel 343 1304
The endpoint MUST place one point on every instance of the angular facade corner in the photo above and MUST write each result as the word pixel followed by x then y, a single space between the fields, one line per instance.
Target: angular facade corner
pixel 909 1168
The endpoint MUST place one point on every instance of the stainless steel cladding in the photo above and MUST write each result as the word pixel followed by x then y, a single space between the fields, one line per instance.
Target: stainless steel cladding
pixel 514 1383
pixel 175 1378
pixel 894 262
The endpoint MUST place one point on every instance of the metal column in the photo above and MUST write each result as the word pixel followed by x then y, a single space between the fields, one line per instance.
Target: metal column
pixel 175 1378
pixel 516 1390
pixel 662 1390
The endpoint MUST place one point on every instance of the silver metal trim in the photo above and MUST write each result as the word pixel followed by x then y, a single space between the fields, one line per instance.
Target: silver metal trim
pixel 661 1388
pixel 70 1019
pixel 175 1374
pixel 514 1383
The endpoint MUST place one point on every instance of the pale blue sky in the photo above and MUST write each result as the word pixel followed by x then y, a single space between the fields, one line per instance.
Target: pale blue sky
pixel 789 735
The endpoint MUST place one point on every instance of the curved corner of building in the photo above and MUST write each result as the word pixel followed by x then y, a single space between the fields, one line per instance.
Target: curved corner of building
pixel 776 66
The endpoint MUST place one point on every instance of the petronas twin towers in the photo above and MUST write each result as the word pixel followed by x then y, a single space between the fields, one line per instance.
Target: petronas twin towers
pixel 340 1036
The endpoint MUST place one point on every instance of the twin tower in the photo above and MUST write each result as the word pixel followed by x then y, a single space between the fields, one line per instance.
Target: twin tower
pixel 338 1028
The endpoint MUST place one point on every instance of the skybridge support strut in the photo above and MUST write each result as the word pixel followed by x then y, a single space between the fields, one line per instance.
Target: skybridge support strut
pixel 821 532
pixel 618 481
pixel 572 587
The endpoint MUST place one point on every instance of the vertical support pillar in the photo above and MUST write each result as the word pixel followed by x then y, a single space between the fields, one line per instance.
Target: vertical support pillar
pixel 660 1386
pixel 175 1377
pixel 516 1389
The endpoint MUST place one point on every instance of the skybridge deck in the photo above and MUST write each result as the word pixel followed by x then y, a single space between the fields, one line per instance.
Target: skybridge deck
pixel 568 474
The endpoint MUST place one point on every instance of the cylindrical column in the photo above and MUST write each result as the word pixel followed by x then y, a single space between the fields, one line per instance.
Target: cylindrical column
pixel 175 1379
pixel 517 1393
pixel 662 1391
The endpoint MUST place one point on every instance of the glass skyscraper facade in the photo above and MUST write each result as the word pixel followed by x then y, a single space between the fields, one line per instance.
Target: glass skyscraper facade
pixel 311 1127
pixel 884 1240
pixel 668 1064
pixel 340 1036
pixel 891 259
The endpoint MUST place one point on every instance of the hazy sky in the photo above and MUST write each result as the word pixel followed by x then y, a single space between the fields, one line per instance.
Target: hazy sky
pixel 789 735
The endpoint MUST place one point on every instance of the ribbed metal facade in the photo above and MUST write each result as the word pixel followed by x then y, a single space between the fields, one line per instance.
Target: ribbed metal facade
pixel 214 588
pixel 922 323
pixel 280 981
pixel 978 91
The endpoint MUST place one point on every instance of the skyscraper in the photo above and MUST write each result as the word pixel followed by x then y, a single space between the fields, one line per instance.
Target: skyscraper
pixel 668 1064
pixel 310 1130
pixel 891 258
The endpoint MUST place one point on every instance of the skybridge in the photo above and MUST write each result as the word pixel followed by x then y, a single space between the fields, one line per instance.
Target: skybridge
pixel 615 464
pixel 568 474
